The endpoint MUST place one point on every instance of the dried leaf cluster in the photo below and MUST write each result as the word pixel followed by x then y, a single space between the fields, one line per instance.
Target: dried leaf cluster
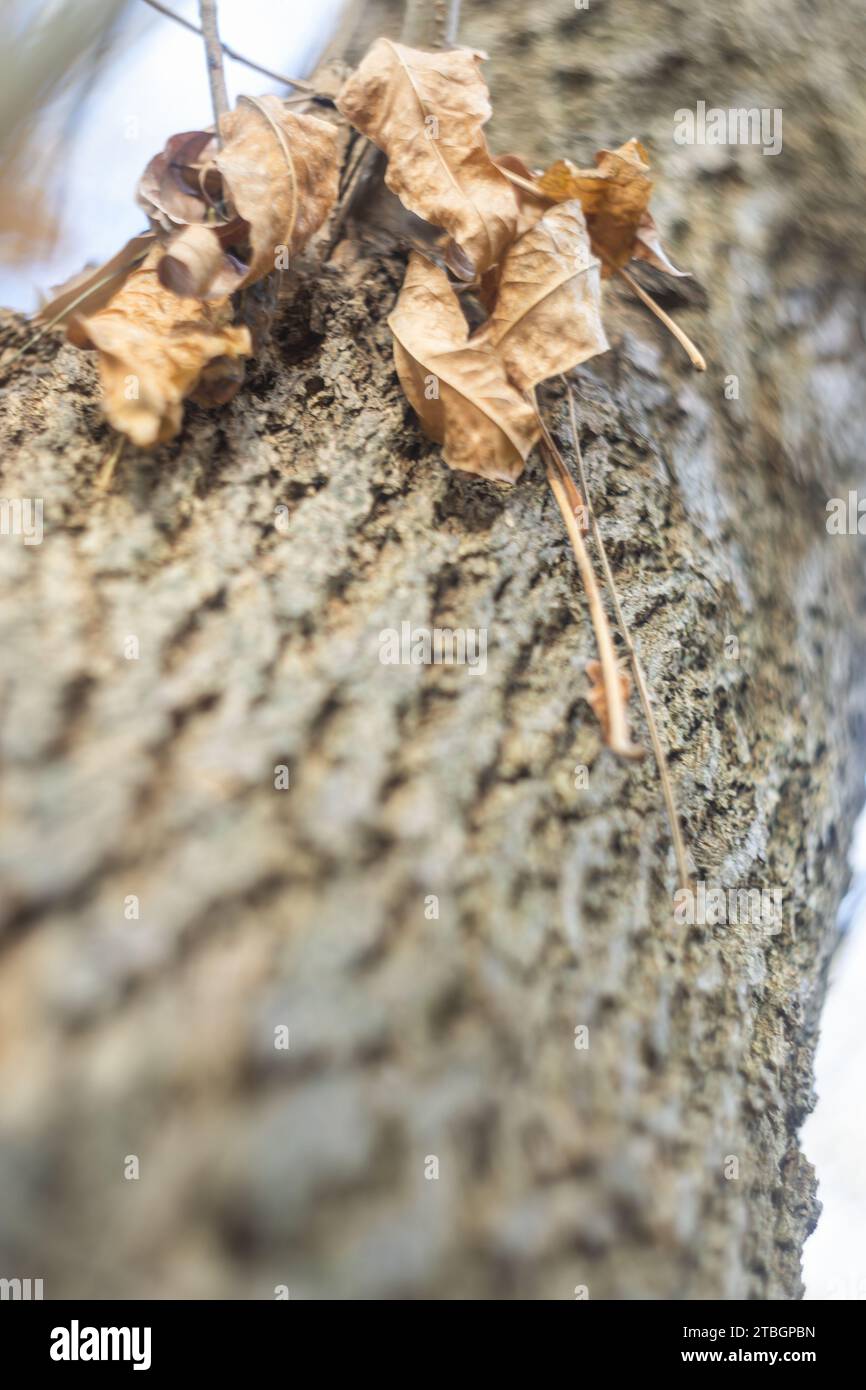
pixel 168 314
pixel 535 248
pixel 520 254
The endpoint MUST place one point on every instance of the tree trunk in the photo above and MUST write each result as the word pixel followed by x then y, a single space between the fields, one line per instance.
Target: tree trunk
pixel 437 905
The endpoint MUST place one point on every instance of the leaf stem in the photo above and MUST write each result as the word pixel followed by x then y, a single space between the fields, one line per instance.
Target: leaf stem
pixel 109 464
pixel 682 338
pixel 618 737
pixel 637 668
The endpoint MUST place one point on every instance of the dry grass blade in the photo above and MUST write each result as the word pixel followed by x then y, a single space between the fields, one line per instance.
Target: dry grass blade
pixel 637 668
pixel 91 293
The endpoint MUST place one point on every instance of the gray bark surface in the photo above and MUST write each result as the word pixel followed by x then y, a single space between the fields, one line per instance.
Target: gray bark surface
pixel 452 1038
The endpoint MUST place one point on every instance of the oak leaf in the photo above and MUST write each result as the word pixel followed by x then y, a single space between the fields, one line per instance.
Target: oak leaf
pixel 615 198
pixel 153 348
pixel 547 314
pixel 426 111
pixel 458 388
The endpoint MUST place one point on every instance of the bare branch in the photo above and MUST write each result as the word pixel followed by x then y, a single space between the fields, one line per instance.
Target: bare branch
pixel 232 52
pixel 213 51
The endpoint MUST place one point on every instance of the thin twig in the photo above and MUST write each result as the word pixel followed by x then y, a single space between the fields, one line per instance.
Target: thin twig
pixel 682 338
pixel 219 96
pixel 618 734
pixel 637 668
pixel 232 52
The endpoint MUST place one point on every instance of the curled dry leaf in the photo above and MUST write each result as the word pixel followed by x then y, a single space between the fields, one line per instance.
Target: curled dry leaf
pixel 236 213
pixel 153 348
pixel 547 314
pixel 426 110
pixel 178 187
pixel 615 198
pixel 597 694
pixel 195 266
pixel 458 389
pixel 280 171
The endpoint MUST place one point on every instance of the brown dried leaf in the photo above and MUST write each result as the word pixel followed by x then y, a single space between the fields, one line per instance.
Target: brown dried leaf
pixel 530 206
pixel 153 347
pixel 426 110
pixel 280 171
pixel 547 314
pixel 615 198
pixel 261 197
pixel 597 696
pixel 89 289
pixel 196 267
pixel 173 186
pixel 458 389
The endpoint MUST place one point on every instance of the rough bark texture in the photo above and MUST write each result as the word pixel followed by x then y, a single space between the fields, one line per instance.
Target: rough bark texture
pixel 454 1037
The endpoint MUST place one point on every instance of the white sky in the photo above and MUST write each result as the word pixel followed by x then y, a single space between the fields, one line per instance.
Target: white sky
pixel 154 86
pixel 834 1136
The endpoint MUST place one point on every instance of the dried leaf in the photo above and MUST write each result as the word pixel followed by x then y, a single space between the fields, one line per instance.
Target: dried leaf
pixel 280 171
pixel 458 389
pixel 615 198
pixel 426 110
pixel 153 347
pixel 547 314
pixel 530 205
pixel 172 190
pixel 597 696
pixel 89 289
pixel 196 267
pixel 648 247
pixel 237 213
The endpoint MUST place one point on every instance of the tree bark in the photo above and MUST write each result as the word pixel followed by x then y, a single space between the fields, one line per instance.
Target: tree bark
pixel 255 561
